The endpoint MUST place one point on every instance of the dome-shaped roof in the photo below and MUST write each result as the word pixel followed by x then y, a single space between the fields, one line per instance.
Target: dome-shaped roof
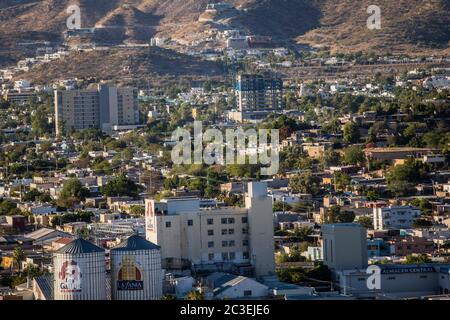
pixel 80 246
pixel 135 242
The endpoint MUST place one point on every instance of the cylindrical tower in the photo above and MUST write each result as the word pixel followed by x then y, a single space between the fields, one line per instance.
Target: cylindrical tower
pixel 136 272
pixel 79 272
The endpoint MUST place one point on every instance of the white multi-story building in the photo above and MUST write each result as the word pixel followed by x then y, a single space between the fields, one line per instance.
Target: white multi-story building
pixel 394 217
pixel 230 238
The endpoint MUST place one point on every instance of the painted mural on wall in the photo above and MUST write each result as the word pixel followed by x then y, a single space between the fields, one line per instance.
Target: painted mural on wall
pixel 70 276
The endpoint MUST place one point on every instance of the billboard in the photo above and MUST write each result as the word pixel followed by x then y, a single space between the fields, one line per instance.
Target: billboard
pixel 129 275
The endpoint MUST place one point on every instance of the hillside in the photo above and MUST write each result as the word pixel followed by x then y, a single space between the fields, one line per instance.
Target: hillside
pixel 152 64
pixel 407 25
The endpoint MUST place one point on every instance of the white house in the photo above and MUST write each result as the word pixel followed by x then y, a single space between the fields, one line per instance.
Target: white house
pixel 182 285
pixel 228 286
pixel 395 217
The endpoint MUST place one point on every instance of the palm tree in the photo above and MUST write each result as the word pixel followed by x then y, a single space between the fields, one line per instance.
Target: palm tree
pixel 195 295
pixel 168 297
pixel 18 257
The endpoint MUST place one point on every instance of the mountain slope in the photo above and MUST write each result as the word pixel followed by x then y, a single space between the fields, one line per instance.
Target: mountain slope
pixel 407 25
pixel 151 64
pixel 412 24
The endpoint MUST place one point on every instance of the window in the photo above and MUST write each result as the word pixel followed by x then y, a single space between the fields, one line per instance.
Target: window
pixel 244 243
pixel 231 243
pixel 244 219
pixel 247 293
pixel 168 224
pixel 224 243
pixel 211 244
pixel 211 256
pixel 244 230
pixel 245 255
pixel 230 220
pixel 224 232
pixel 210 232
pixel 223 220
pixel 230 231
pixel 190 222
pixel 210 221
pixel 225 256
pixel 232 255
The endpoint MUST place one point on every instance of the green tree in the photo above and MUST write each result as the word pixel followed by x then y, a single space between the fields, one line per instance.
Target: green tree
pixel 281 206
pixel 353 155
pixel 39 123
pixel 372 195
pixel 137 210
pixel 341 181
pixel 32 195
pixel 424 205
pixel 72 192
pixel 422 223
pixel 302 234
pixel 8 208
pixel 365 221
pixel 305 182
pixel 18 257
pixel 330 158
pixel 417 259
pixel 32 271
pixel 334 214
pixel 351 132
pixel 402 179
pixel 121 186
pixel 195 295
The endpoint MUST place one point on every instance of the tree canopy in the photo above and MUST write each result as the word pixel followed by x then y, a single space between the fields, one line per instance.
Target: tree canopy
pixel 121 186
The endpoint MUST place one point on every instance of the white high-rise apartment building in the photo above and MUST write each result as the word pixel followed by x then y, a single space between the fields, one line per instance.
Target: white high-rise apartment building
pixel 241 238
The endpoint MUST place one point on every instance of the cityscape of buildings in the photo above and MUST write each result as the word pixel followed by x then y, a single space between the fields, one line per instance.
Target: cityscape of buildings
pixel 93 206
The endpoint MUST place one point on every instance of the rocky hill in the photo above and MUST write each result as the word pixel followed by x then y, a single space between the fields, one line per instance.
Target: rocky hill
pixel 407 25
pixel 153 65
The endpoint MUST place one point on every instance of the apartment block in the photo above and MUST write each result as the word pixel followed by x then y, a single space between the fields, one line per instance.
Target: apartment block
pixel 256 92
pixel 257 95
pixel 226 238
pixel 104 108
